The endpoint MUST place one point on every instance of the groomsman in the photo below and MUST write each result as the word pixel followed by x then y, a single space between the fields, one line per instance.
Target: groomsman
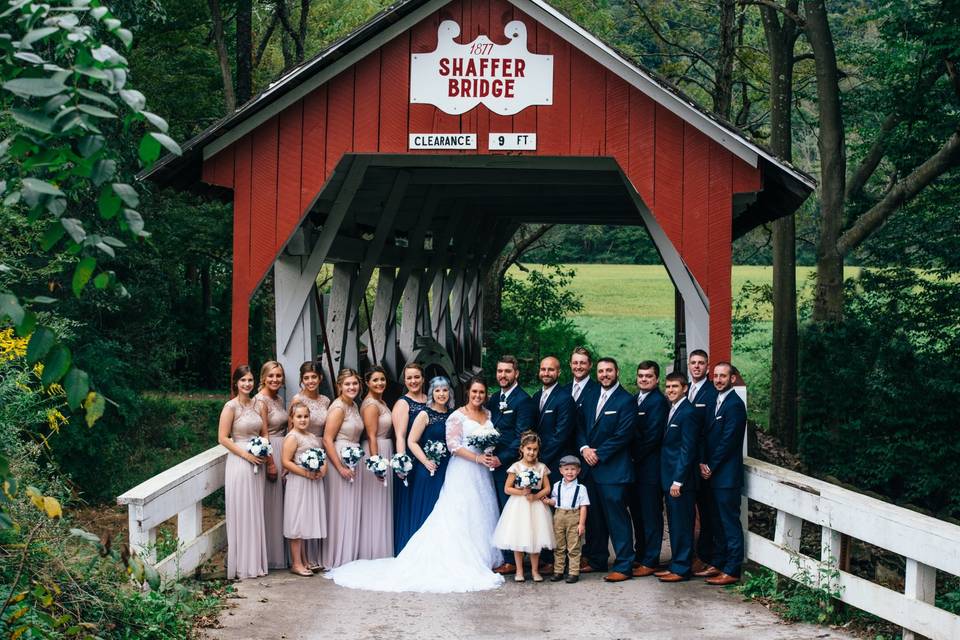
pixel 702 394
pixel 723 469
pixel 678 477
pixel 583 385
pixel 604 437
pixel 646 508
pixel 512 412
pixel 556 424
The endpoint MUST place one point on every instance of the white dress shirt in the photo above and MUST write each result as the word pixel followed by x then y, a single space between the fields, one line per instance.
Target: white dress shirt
pixel 563 491
pixel 545 394
pixel 577 388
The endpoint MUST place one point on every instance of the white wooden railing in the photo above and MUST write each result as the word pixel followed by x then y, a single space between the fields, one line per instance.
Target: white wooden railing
pixel 927 544
pixel 178 491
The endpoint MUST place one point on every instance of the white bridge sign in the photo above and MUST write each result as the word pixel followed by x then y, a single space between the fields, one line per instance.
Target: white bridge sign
pixel 455 78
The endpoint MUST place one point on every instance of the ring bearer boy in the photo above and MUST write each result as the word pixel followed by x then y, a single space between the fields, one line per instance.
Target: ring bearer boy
pixel 570 500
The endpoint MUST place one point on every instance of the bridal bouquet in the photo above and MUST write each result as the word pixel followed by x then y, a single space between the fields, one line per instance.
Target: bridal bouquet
pixel 379 466
pixel 484 439
pixel 527 479
pixel 435 452
pixel 401 465
pixel 351 457
pixel 312 459
pixel 260 447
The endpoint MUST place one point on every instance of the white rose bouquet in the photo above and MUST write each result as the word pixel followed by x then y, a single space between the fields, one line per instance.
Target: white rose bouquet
pixel 260 447
pixel 351 457
pixel 484 439
pixel 402 465
pixel 435 451
pixel 527 479
pixel 379 466
pixel 312 459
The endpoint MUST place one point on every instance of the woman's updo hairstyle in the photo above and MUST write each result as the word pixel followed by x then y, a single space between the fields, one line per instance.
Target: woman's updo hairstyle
pixel 310 367
pixel 374 369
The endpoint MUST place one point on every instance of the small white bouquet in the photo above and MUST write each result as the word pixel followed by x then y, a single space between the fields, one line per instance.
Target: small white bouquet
pixel 484 439
pixel 527 479
pixel 260 447
pixel 435 450
pixel 312 459
pixel 351 457
pixel 402 465
pixel 379 466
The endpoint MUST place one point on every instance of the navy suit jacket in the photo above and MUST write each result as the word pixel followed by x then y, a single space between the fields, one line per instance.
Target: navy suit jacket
pixel 678 451
pixel 703 404
pixel 610 433
pixel 649 424
pixel 723 443
pixel 556 426
pixel 520 415
pixel 589 388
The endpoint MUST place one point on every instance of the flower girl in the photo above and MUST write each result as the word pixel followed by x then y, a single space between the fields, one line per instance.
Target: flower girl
pixel 525 524
pixel 304 516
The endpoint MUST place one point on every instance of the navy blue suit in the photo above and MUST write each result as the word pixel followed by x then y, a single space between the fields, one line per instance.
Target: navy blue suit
pixel 590 387
pixel 704 403
pixel 646 507
pixel 679 463
pixel 723 453
pixel 609 482
pixel 556 426
pixel 519 415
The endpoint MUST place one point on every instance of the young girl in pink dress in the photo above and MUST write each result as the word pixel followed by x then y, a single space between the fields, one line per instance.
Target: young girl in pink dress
pixel 525 525
pixel 304 513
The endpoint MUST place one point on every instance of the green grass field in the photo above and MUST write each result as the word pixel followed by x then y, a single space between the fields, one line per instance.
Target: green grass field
pixel 628 314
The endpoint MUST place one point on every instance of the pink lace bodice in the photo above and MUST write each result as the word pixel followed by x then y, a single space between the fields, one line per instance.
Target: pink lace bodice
pixel 318 412
pixel 384 419
pixel 304 440
pixel 352 427
pixel 247 422
pixel 276 414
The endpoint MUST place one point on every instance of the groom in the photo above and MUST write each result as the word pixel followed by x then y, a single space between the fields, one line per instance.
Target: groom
pixel 512 412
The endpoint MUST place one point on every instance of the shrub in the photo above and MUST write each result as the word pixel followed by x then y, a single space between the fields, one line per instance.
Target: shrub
pixel 878 392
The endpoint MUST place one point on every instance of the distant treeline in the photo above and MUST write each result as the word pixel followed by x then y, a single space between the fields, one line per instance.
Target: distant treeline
pixel 612 244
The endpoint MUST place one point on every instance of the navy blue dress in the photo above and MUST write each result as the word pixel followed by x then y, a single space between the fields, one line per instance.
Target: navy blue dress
pixel 401 493
pixel 426 488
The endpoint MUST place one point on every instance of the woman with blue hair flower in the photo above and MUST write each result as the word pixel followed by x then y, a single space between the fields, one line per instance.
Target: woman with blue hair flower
pixel 427 443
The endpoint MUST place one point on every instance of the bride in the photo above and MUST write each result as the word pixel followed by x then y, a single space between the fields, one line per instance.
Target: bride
pixel 453 550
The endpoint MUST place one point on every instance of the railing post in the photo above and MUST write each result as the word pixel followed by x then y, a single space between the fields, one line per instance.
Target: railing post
pixel 142 541
pixel 830 546
pixel 190 523
pixel 920 584
pixel 787 533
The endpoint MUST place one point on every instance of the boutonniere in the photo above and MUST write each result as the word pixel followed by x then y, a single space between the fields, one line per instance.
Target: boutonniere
pixel 503 405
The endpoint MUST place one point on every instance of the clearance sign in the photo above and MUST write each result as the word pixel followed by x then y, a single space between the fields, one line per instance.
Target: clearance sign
pixel 455 78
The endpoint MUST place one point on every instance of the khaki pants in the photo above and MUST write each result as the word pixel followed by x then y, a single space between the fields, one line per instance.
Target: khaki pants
pixel 565 522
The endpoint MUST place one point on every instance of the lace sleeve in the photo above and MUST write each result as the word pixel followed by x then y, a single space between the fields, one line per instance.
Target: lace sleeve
pixel 454 432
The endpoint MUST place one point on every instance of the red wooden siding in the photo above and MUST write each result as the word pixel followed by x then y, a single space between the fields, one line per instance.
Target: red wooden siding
pixel 686 180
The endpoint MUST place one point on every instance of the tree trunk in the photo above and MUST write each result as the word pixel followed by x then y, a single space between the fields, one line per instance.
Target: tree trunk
pixel 781 39
pixel 723 87
pixel 229 97
pixel 828 295
pixel 244 50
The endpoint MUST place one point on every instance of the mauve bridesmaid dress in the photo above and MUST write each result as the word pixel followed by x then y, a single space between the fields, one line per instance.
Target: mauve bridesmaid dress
pixel 243 497
pixel 376 501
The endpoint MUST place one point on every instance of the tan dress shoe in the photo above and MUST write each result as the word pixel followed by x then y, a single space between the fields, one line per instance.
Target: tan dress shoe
pixel 643 572
pixel 661 572
pixel 723 580
pixel 672 577
pixel 505 568
pixel 615 576
pixel 708 572
pixel 585 567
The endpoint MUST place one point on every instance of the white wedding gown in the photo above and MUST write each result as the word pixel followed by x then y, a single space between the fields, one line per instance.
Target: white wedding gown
pixel 453 550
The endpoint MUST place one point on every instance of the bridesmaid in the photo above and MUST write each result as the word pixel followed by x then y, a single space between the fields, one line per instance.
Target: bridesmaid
pixel 430 424
pixel 311 377
pixel 343 428
pixel 271 381
pixel 404 411
pixel 376 506
pixel 242 419
pixel 304 517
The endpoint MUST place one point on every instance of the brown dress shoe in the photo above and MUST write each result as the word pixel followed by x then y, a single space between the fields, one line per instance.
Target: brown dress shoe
pixel 546 568
pixel 642 571
pixel 615 576
pixel 708 572
pixel 698 566
pixel 723 580
pixel 661 572
pixel 672 577
pixel 585 567
pixel 505 568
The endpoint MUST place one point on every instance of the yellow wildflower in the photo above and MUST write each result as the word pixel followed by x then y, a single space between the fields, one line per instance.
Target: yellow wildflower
pixel 55 419
pixel 11 347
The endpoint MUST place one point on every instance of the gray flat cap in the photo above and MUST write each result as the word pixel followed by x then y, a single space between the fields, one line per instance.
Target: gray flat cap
pixel 569 460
